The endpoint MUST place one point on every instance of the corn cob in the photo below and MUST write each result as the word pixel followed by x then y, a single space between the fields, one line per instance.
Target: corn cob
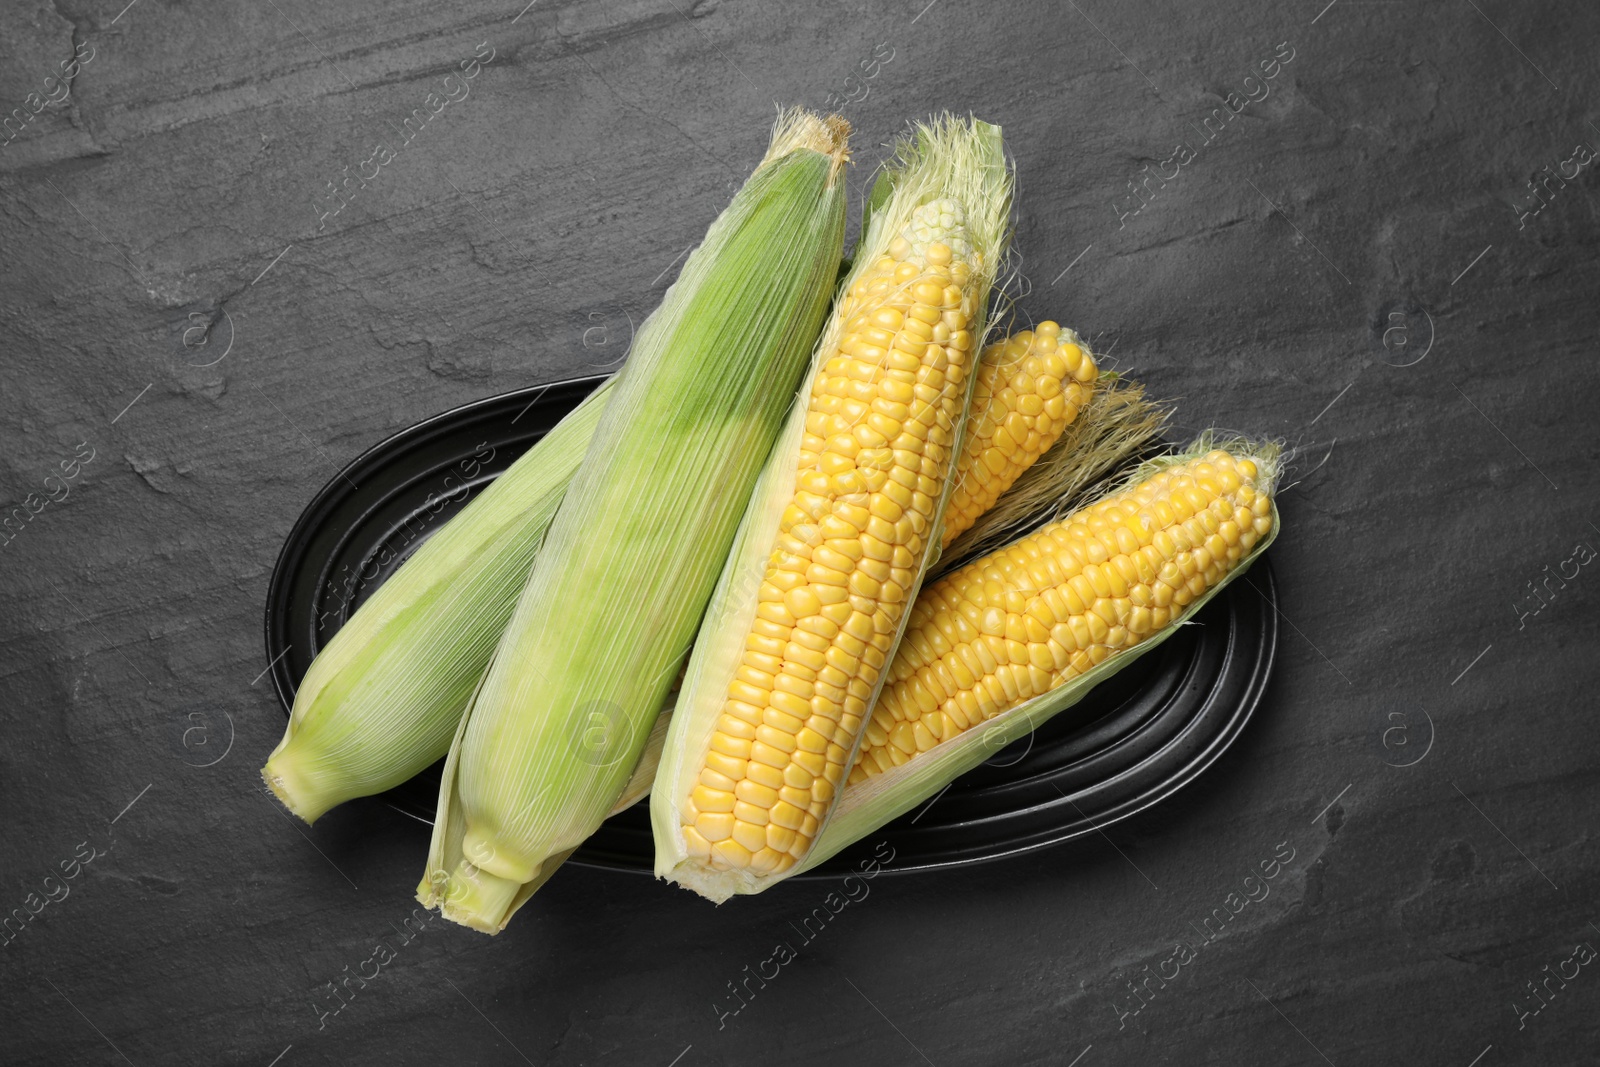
pixel 1024 620
pixel 1013 638
pixel 546 747
pixel 451 823
pixel 1030 388
pixel 382 699
pixel 839 533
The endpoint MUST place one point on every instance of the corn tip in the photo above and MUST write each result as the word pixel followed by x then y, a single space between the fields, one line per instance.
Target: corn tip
pixel 797 128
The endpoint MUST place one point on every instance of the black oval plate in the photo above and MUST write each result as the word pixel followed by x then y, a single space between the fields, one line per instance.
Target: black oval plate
pixel 1131 742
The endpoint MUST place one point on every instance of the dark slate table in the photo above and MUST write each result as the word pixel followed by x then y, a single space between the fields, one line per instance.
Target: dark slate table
pixel 1368 228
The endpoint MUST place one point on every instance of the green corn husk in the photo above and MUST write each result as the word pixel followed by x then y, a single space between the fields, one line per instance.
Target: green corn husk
pixel 450 824
pixel 949 160
pixel 867 806
pixel 548 743
pixel 383 698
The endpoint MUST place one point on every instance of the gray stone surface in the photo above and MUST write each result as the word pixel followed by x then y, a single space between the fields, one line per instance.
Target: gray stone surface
pixel 164 216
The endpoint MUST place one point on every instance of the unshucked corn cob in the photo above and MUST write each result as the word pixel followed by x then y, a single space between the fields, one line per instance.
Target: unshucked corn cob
pixel 839 532
pixel 383 698
pixel 996 647
pixel 613 599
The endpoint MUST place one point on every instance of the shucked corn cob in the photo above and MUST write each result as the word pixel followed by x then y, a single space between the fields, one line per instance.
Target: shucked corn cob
pixel 1030 388
pixel 1018 623
pixel 839 532
pixel 1010 639
pixel 847 552
pixel 613 599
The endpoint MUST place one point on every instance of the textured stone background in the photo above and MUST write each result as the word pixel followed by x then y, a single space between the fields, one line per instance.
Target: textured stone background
pixel 163 217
